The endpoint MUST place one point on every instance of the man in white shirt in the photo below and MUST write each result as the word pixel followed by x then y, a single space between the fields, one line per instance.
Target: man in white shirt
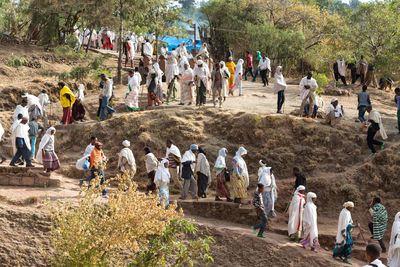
pixel 372 255
pixel 22 143
pixel 106 94
pixel 22 109
pixel 265 68
pixel 308 86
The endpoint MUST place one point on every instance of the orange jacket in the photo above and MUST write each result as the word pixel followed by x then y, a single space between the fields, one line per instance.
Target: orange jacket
pixel 96 157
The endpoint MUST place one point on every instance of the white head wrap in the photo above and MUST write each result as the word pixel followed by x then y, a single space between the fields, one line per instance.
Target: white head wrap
pixel 348 204
pixel 126 143
pixel 334 100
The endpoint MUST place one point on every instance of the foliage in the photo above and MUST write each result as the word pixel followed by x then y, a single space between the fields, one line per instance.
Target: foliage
pixel 95 74
pixel 79 73
pixel 97 62
pixel 47 72
pixel 322 82
pixel 16 61
pixel 130 227
pixel 64 76
pixel 69 53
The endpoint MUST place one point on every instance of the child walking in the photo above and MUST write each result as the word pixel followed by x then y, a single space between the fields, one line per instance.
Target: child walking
pixel 259 205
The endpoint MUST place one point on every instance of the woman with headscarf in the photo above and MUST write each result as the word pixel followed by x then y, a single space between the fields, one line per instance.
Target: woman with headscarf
pixel 201 76
pixel 279 87
pixel 151 163
pixel 203 173
pixel 152 89
pixel 225 77
pixel 221 172
pixel 231 67
pixel 189 171
pixel 67 99
pixel 267 179
pixel 310 223
pixel 159 74
pixel 344 240
pixel 240 176
pixel 161 180
pixel 132 95
pixel 126 160
pixel 78 110
pixel 187 91
pixel 296 208
pixel 237 78
pixel 394 245
pixel 46 154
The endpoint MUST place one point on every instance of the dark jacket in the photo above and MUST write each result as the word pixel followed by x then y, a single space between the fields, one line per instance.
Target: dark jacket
pixel 187 172
pixel 300 180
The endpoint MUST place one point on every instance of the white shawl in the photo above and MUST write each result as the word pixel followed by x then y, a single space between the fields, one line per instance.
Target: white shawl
pixel 279 81
pixel 310 82
pixel 220 162
pixel 394 245
pixel 341 65
pixel 239 69
pixel 174 150
pixel 80 94
pixel 189 156
pixel 162 176
pixel 203 166
pixel 242 164
pixel 376 117
pixel 224 71
pixel 21 110
pixel 46 138
pixel 310 217
pixel 344 220
pixel 148 49
pixel 296 209
pixel 202 74
pixel 33 100
pixel 126 153
pixel 1 131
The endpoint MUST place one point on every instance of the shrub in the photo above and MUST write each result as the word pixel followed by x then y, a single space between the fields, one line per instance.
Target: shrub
pixel 95 74
pixel 16 61
pixel 130 228
pixel 322 82
pixel 79 73
pixel 96 63
pixel 69 53
pixel 64 76
pixel 48 73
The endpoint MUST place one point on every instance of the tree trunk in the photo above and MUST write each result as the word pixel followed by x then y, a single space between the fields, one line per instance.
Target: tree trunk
pixel 90 39
pixel 157 52
pixel 119 75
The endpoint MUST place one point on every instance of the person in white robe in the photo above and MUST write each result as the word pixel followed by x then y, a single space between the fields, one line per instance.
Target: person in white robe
pixel 174 157
pixel 171 75
pixel 394 245
pixel 264 65
pixel 310 223
pixel 267 178
pixel 201 77
pixel 334 113
pixel 375 124
pixel 162 179
pixel 308 85
pixel 2 157
pixel 46 154
pixel 339 70
pixel 238 77
pixel 203 51
pixel 132 95
pixel 296 208
pixel 203 173
pixel 148 52
pixel 187 82
pixel 189 172
pixel 151 163
pixel 344 240
pixel 159 74
pixel 182 51
pixel 225 77
pixel 22 109
pixel 22 143
pixel 279 87
pixel 126 160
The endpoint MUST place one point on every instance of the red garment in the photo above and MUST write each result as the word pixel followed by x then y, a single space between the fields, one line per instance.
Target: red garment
pixel 249 60
pixel 67 116
pixel 221 190
pixel 108 43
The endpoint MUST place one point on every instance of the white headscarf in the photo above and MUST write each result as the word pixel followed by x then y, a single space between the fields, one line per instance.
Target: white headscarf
pixel 348 204
pixel 394 245
pixel 33 100
pixel 126 143
pixel 310 217
pixel 299 188
pixel 239 68
pixel 46 138
pixel 334 99
pixel 376 117
pixel 279 82
pixel 242 164
pixel 264 175
pixel 162 174
pixel 220 162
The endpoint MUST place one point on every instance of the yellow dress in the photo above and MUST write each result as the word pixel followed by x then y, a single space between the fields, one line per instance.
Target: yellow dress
pixel 231 67
pixel 65 103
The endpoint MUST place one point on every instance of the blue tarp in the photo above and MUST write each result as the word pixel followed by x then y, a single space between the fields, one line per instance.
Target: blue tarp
pixel 173 42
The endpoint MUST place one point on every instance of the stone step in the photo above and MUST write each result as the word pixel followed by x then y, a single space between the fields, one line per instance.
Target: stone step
pixel 21 176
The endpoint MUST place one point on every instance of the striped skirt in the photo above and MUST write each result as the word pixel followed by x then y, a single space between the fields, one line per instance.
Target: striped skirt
pixel 50 160
pixel 239 187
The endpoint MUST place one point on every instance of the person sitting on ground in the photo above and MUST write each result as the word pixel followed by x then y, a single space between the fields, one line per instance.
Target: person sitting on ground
pixel 174 157
pixel 34 129
pixel 334 113
pixel 240 176
pixel 318 101
pixel 296 208
pixel 308 85
pixel 161 179
pixel 126 160
pixel 344 239
pixel 188 172
pixel 259 205
pixel 310 223
pixel 300 178
pixel 379 222
pixel 385 83
pixel 21 142
pixel 151 163
pixel 372 255
pixel 375 125
pixel 363 103
pixel 394 245
pixel 203 173
pixel 223 177
pixel 267 178
pixel 46 154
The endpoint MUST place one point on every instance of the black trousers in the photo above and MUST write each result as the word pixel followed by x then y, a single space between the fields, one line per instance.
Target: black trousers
pixel 371 229
pixel 370 139
pixel 337 76
pixel 264 77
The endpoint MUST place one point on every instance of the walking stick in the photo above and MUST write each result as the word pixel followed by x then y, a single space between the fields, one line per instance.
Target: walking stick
pixel 287 207
pixel 362 235
pixel 195 175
